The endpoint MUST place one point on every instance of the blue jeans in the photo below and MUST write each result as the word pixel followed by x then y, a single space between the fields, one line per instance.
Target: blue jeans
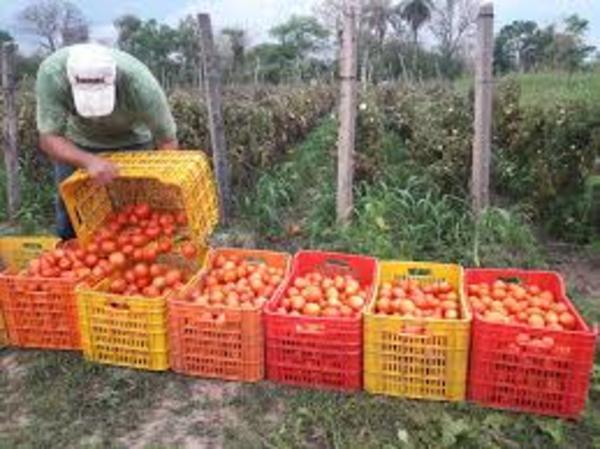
pixel 64 228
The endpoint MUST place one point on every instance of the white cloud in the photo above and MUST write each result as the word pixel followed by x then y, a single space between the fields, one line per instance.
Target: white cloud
pixel 254 16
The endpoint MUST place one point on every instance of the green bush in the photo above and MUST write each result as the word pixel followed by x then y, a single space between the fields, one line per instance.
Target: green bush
pixel 542 151
pixel 260 124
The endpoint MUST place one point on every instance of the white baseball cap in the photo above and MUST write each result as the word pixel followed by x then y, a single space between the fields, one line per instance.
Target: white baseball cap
pixel 92 72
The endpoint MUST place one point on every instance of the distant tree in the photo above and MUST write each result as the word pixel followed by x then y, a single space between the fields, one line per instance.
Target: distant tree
pixel 517 47
pixel 271 63
pixel 127 26
pixel 5 36
pixel 451 22
pixel 570 47
pixel 188 45
pixel 300 39
pixel 301 34
pixel 57 22
pixel 523 46
pixel 416 13
pixel 237 42
pixel 375 20
pixel 172 54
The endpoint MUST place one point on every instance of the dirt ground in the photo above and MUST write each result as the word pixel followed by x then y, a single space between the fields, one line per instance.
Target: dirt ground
pixel 580 266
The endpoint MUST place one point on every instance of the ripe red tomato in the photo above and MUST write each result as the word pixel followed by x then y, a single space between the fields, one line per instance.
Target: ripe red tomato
pixel 412 298
pixel 188 250
pixel 142 210
pixel 117 260
pixel 522 304
pixel 173 277
pixel 118 286
pixel 141 270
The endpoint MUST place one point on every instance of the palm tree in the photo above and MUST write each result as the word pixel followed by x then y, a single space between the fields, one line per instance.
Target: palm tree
pixel 416 13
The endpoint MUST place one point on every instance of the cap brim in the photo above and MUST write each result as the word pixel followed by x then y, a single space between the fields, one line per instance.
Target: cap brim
pixel 96 102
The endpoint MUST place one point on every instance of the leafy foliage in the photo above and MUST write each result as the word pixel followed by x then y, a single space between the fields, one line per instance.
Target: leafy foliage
pixel 523 46
pixel 260 124
pixel 543 152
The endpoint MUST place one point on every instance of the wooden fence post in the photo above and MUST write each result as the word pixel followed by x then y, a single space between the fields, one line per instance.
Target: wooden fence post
pixel 212 83
pixel 346 132
pixel 9 132
pixel 480 180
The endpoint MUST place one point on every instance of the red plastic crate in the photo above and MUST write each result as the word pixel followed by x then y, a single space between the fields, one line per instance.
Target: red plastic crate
pixel 509 375
pixel 319 352
pixel 232 349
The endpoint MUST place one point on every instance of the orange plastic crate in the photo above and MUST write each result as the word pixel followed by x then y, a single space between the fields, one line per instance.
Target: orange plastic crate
pixel 3 332
pixel 232 349
pixel 40 312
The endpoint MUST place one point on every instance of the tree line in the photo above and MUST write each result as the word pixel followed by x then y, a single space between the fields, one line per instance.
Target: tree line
pixel 398 40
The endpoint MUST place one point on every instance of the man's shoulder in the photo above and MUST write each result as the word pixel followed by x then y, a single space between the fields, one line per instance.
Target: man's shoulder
pixel 55 61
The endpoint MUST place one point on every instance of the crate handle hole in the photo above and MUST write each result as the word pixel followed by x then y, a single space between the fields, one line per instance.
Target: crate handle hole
pixel 310 328
pixel 255 259
pixel 414 330
pixel 419 272
pixel 32 245
pixel 511 279
pixel 118 306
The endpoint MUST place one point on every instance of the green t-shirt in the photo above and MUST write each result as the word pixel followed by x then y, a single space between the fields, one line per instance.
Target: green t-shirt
pixel 141 109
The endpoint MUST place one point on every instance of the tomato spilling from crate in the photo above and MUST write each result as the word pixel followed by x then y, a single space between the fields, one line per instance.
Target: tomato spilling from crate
pixel 235 282
pixel 315 294
pixel 528 304
pixel 137 234
pixel 412 298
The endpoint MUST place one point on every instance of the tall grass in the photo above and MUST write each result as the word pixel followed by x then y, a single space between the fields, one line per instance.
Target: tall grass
pixel 402 214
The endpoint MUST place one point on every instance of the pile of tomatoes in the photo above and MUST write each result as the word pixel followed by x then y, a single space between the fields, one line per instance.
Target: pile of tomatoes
pixel 126 249
pixel 150 280
pixel 318 295
pixel 70 262
pixel 234 282
pixel 411 298
pixel 503 302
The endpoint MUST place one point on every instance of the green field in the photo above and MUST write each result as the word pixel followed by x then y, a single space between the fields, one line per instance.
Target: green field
pixel 541 88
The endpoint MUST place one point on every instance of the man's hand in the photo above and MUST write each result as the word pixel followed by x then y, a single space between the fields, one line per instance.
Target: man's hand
pixel 101 170
pixel 168 145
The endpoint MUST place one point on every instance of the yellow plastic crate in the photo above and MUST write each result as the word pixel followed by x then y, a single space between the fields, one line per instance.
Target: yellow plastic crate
pixel 429 364
pixel 17 251
pixel 166 180
pixel 15 254
pixel 128 331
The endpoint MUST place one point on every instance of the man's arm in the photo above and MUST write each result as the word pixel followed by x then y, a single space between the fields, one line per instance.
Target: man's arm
pixel 61 149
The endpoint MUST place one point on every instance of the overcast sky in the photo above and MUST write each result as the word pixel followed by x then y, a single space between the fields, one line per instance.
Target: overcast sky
pixel 257 16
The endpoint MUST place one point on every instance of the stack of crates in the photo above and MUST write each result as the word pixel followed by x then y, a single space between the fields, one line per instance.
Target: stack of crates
pixel 132 331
